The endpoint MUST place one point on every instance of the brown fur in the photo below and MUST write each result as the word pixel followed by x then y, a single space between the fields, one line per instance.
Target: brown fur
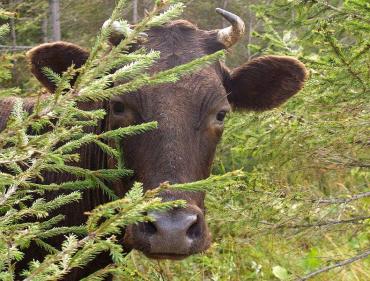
pixel 182 148
pixel 6 107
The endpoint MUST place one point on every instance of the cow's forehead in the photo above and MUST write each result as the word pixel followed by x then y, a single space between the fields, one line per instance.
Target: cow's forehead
pixel 190 90
pixel 180 42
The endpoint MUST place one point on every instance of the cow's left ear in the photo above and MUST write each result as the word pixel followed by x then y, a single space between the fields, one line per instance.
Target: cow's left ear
pixel 58 56
pixel 265 83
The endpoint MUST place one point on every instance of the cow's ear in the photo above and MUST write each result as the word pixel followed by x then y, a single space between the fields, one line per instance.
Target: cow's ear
pixel 58 57
pixel 265 83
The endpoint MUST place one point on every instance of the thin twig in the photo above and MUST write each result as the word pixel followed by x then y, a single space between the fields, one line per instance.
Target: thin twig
pixel 338 10
pixel 338 264
pixel 342 200
pixel 5 48
pixel 319 224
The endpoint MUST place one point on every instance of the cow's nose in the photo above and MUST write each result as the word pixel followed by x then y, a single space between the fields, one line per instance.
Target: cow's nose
pixel 174 232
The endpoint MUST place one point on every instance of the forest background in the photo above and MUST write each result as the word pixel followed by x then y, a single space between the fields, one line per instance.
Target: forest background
pixel 305 201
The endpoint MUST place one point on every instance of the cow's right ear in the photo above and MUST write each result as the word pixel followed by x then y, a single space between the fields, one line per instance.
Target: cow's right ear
pixel 265 82
pixel 58 56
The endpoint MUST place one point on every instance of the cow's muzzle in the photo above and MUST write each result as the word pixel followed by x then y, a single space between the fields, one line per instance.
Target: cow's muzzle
pixel 174 234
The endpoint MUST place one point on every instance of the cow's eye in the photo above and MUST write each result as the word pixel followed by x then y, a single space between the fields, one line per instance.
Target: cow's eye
pixel 118 107
pixel 221 116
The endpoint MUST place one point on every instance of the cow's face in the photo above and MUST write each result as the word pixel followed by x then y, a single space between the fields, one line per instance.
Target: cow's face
pixel 190 116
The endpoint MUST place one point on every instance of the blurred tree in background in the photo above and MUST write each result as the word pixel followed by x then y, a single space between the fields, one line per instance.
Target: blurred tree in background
pixel 306 201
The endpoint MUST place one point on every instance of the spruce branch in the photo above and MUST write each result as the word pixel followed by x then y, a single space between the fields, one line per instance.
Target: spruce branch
pixel 215 181
pixel 337 51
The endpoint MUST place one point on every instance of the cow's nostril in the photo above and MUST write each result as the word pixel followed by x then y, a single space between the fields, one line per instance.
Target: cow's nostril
pixel 176 232
pixel 195 230
pixel 149 228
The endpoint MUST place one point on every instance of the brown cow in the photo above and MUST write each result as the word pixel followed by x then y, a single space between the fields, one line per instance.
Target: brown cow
pixel 190 115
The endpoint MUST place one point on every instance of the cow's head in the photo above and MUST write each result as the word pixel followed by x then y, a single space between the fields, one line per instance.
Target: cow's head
pixel 190 117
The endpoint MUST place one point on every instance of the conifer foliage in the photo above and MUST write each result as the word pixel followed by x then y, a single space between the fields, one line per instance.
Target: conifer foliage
pixel 47 139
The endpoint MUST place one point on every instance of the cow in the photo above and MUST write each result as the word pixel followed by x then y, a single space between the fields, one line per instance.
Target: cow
pixel 190 115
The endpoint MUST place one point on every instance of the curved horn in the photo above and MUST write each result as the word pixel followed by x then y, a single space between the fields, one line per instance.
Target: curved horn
pixel 230 35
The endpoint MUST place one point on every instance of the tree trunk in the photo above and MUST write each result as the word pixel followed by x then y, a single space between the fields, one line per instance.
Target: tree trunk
pixel 44 28
pixel 12 25
pixel 147 5
pixel 135 16
pixel 55 19
pixel 12 32
pixel 249 29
